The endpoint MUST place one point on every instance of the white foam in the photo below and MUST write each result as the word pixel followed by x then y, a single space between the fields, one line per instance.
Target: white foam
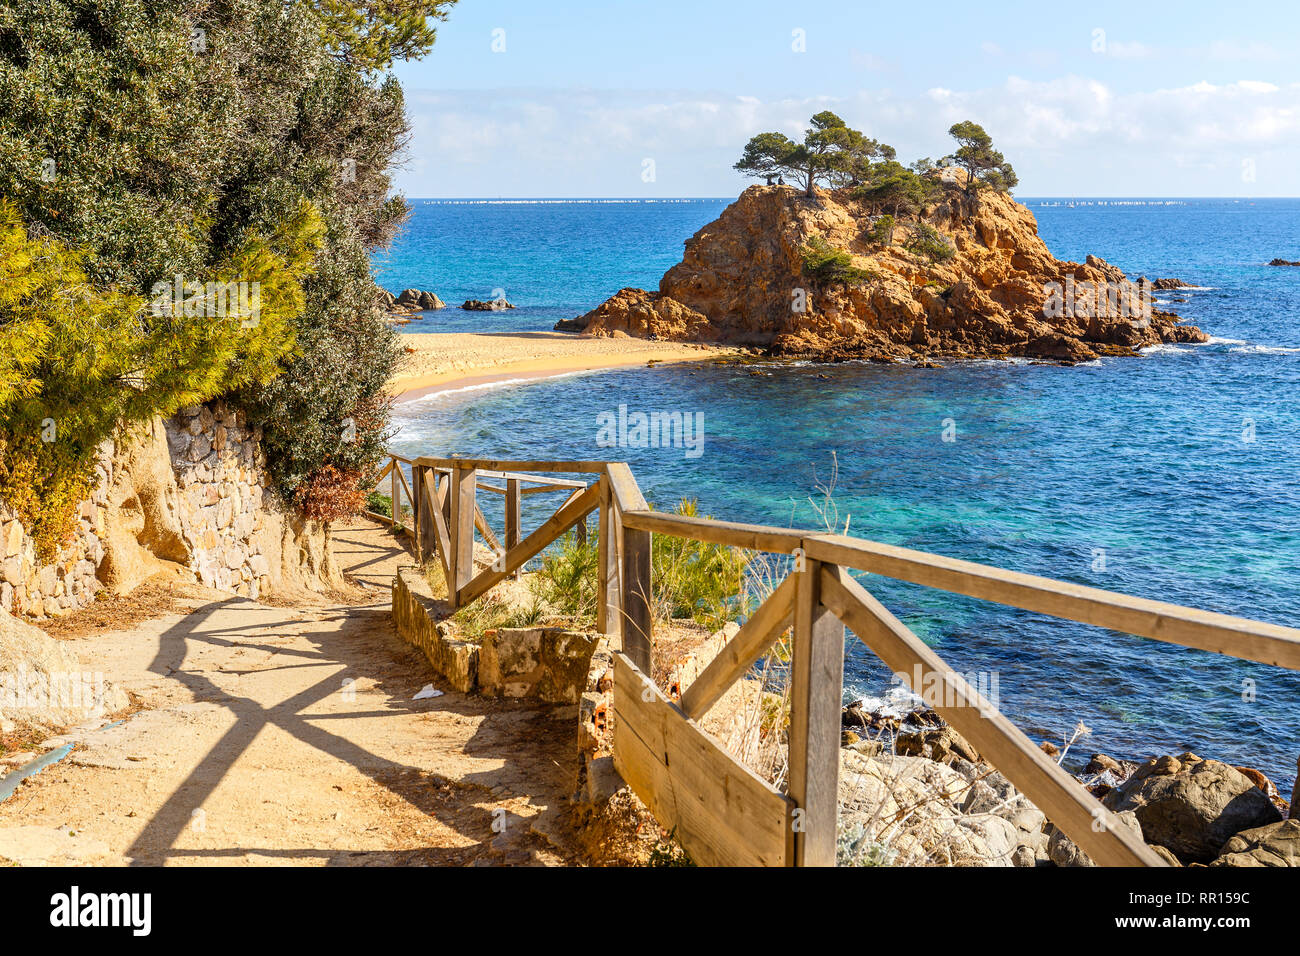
pixel 499 383
pixel 1218 340
pixel 1264 350
pixel 897 701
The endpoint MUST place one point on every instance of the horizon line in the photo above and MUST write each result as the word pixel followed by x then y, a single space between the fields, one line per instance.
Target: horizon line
pixel 649 199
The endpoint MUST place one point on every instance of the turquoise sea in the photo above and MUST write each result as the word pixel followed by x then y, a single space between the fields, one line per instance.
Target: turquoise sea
pixel 1174 476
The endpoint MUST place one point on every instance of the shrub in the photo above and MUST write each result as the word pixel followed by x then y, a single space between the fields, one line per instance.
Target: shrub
pixel 929 243
pixel 825 263
pixel 566 579
pixel 696 579
pixel 330 494
pixel 882 230
pixel 689 579
pixel 259 152
pixel 78 359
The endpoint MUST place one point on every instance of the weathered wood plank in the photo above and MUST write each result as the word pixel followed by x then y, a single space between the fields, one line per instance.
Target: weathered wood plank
pixel 461 492
pixel 636 598
pixel 395 494
pixel 998 740
pixel 516 557
pixel 1208 631
pixel 609 615
pixel 723 813
pixel 737 535
pixel 514 514
pixel 626 492
pixel 738 655
pixel 441 536
pixel 488 464
pixel 816 699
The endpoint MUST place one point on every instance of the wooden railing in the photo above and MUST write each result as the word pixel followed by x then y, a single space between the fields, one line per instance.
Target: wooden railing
pixel 721 811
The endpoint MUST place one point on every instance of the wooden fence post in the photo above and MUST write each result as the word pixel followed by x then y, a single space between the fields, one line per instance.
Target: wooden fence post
pixel 608 610
pixel 514 515
pixel 426 536
pixel 636 598
pixel 396 494
pixel 462 494
pixel 816 699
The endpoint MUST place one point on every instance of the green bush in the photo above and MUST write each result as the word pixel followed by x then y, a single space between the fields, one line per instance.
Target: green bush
pixel 882 230
pixel 690 579
pixel 929 243
pixel 566 579
pixel 249 140
pixel 825 263
pixel 696 579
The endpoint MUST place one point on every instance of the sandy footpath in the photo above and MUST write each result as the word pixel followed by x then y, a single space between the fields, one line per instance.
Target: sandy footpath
pixel 436 361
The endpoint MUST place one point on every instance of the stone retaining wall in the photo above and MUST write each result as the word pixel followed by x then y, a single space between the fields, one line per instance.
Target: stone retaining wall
pixel 548 664
pixel 189 495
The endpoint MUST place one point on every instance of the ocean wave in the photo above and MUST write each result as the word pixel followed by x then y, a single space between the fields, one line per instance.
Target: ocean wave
pixel 1166 348
pixel 493 385
pixel 1219 340
pixel 1264 350
pixel 897 701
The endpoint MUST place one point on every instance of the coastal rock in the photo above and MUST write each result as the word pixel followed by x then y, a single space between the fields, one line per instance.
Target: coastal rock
pixel 1277 844
pixel 491 305
pixel 419 300
pixel 643 315
pixel 742 281
pixel 1065 852
pixel 1192 806
pixel 1267 786
pixel 1283 262
pixel 941 744
pixel 1164 285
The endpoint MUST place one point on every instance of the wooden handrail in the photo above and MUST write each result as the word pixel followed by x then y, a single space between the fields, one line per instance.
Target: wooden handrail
pixel 1204 630
pixel 819 590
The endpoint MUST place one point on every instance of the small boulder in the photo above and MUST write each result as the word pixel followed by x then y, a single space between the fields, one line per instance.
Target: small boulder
pixel 491 305
pixel 1277 844
pixel 940 743
pixel 1065 852
pixel 420 301
pixel 1192 806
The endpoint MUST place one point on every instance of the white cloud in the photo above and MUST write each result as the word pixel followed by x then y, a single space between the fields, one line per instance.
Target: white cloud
pixel 586 142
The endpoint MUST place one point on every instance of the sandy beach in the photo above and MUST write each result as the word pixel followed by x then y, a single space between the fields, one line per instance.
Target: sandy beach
pixel 438 361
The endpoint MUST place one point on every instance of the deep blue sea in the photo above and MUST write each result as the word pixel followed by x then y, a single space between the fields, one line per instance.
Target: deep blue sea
pixel 1174 476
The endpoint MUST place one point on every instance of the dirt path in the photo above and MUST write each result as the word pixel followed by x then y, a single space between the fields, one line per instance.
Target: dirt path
pixel 274 735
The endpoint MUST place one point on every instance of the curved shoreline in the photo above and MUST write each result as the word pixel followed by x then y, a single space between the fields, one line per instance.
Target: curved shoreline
pixel 440 362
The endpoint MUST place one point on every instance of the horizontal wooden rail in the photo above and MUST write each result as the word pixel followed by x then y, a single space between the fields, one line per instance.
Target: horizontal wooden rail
pixel 491 465
pixel 1204 630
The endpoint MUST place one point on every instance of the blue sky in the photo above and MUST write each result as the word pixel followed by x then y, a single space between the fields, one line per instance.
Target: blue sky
pixel 654 99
